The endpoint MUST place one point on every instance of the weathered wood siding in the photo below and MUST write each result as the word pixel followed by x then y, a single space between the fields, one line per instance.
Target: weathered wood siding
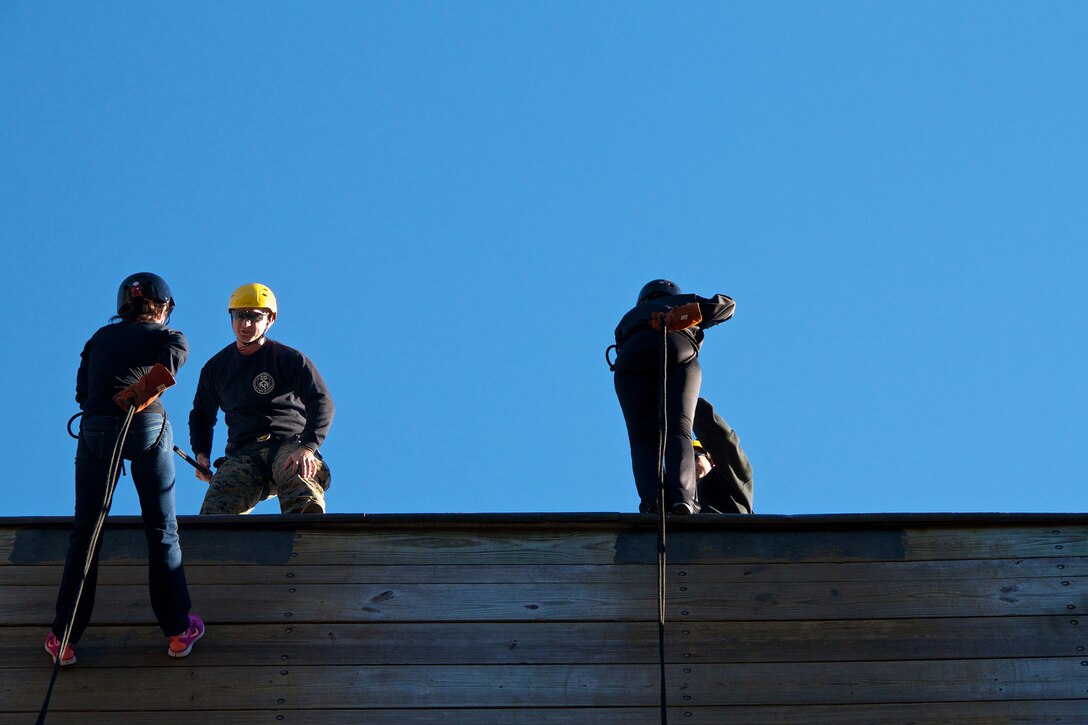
pixel 553 619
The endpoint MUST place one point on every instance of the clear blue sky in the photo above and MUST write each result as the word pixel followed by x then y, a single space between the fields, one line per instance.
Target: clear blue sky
pixel 455 202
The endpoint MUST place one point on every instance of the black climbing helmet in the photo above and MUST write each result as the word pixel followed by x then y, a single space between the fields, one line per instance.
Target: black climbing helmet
pixel 143 284
pixel 657 288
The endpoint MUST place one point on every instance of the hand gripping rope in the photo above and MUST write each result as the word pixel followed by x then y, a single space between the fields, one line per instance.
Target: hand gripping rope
pixel 112 476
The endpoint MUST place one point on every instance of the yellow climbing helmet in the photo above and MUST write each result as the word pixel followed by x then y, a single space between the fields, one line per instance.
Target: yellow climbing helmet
pixel 253 295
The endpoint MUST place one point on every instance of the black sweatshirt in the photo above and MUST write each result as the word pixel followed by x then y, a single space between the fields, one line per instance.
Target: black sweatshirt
pixel 728 487
pixel 637 343
pixel 275 391
pixel 117 355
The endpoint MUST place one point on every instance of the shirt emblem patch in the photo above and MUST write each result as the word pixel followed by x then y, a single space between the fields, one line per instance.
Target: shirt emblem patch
pixel 263 383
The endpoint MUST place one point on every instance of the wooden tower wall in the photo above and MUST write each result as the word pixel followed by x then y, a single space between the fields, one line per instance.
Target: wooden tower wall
pixel 552 618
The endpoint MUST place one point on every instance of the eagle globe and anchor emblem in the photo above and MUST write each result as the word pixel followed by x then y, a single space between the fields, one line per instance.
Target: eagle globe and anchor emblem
pixel 264 383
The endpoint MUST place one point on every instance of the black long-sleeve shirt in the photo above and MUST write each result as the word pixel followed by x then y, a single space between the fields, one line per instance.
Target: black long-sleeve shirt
pixel 275 391
pixel 117 355
pixel 637 344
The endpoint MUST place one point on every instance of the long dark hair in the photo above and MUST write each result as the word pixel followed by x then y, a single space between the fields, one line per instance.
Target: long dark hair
pixel 142 309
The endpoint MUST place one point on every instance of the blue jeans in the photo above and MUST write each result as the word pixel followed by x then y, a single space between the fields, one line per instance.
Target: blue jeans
pixel 149 448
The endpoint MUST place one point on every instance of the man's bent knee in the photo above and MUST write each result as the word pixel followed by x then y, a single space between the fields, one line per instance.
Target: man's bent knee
pixel 302 506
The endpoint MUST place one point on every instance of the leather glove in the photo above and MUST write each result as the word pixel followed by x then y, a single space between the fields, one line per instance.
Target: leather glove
pixel 146 390
pixel 683 317
pixel 656 319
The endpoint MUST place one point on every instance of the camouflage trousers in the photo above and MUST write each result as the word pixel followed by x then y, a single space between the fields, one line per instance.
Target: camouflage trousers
pixel 242 480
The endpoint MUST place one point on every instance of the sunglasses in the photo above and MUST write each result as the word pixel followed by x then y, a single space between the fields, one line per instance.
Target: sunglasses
pixel 248 315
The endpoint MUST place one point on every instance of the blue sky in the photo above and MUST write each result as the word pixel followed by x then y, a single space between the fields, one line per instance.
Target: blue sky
pixel 456 202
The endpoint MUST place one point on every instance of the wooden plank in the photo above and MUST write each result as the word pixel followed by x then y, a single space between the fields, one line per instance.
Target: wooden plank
pixel 571 642
pixel 585 521
pixel 294 688
pixel 941 543
pixel 700 545
pixel 354 644
pixel 942 713
pixel 126 545
pixel 7 544
pixel 863 640
pixel 504 686
pixel 544 544
pixel 109 574
pixel 592 601
pixel 716 642
pixel 723 545
pixel 882 570
pixel 513 716
pixel 876 599
pixel 237 545
pixel 297 572
pixel 632 601
pixel 945 713
pixel 880 682
pixel 458 547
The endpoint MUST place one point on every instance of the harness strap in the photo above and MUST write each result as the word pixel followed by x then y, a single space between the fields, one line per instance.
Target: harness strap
pixel 264 457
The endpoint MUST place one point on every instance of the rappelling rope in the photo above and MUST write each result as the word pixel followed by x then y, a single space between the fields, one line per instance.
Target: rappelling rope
pixel 113 474
pixel 661 499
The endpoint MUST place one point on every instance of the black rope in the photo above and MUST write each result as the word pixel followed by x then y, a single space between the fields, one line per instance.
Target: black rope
pixel 661 500
pixel 112 476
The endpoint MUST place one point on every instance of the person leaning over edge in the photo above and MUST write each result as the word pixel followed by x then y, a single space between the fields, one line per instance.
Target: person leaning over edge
pixel 127 364
pixel 637 379
pixel 277 409
pixel 721 465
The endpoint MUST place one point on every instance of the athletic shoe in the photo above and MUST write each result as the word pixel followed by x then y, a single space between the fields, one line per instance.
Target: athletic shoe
pixel 52 646
pixel 682 508
pixel 182 644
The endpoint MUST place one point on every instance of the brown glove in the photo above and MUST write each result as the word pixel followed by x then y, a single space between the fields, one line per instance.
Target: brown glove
pixel 683 317
pixel 655 320
pixel 146 390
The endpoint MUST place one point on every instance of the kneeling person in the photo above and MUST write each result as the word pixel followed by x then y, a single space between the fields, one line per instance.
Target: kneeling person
pixel 725 475
pixel 277 409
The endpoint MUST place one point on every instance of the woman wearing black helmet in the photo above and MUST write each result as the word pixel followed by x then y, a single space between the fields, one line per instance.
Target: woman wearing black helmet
pixel 637 378
pixel 127 364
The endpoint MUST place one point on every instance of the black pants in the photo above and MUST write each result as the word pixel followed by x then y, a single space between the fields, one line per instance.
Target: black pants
pixel 638 394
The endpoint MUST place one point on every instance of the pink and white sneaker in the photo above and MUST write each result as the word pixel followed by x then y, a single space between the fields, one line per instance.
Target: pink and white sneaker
pixel 52 646
pixel 182 644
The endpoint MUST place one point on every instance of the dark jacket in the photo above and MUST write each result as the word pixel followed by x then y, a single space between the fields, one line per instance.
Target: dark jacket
pixel 727 489
pixel 276 391
pixel 638 345
pixel 117 355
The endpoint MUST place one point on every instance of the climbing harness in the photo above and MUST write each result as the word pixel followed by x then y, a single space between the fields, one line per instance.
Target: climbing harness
pixel 184 456
pixel 607 359
pixel 154 445
pixel 112 476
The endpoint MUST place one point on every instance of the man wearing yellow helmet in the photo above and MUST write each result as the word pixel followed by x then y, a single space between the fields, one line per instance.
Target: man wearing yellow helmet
pixel 721 465
pixel 277 409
